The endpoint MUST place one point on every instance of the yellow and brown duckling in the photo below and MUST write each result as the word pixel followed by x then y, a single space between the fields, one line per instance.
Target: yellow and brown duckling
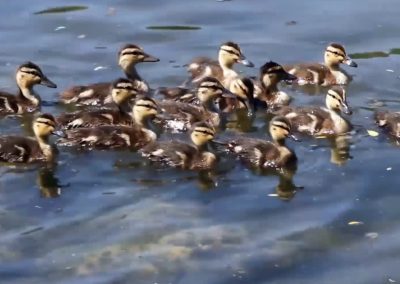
pixel 179 154
pixel 181 115
pixel 390 121
pixel 122 91
pixel 259 153
pixel 321 121
pixel 19 149
pixel 229 54
pixel 27 76
pixel 243 89
pixel 266 90
pixel 99 93
pixel 326 74
pixel 134 136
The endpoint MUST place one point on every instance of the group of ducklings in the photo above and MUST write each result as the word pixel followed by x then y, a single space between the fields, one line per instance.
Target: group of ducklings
pixel 123 114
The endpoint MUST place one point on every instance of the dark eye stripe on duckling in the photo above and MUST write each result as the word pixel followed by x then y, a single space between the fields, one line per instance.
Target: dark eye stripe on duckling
pixel 132 52
pixel 281 125
pixel 338 53
pixel 147 106
pixel 31 71
pixel 47 122
pixel 231 51
pixel 335 96
pixel 124 86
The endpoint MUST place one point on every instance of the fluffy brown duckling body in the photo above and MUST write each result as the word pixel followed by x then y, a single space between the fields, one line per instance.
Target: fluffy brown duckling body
pixel 122 91
pixel 326 74
pixel 134 136
pixel 260 153
pixel 99 93
pixel 390 121
pixel 178 154
pixel 27 76
pixel 229 54
pixel 19 149
pixel 321 121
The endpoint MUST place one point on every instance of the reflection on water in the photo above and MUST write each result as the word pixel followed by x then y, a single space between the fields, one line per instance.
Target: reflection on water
pixel 119 218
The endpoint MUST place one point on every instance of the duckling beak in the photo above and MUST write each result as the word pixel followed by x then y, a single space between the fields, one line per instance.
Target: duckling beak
pixel 46 82
pixel 289 77
pixel 346 109
pixel 59 133
pixel 350 62
pixel 245 61
pixel 149 58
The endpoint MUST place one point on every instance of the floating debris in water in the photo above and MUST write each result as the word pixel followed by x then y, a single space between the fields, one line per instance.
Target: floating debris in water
pixel 81 36
pixel 99 68
pixel 111 11
pixel 372 133
pixel 173 28
pixel 61 9
pixel 391 280
pixel 291 23
pixel 372 235
pixel 389 168
pixel 390 70
pixel 273 195
pixel 355 223
pixel 60 28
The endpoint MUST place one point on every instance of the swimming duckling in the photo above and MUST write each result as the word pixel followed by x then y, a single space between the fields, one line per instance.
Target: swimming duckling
pixel 320 121
pixel 117 136
pixel 122 91
pixel 180 116
pixel 27 76
pixel 183 155
pixel 329 73
pixel 390 121
pixel 19 149
pixel 99 93
pixel 243 88
pixel 266 90
pixel 229 54
pixel 260 153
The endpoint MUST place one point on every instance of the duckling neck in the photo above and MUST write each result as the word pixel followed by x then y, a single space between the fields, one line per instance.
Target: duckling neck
pixel 333 66
pixel 131 72
pixel 46 148
pixel 280 142
pixel 270 89
pixel 209 105
pixel 27 93
pixel 141 120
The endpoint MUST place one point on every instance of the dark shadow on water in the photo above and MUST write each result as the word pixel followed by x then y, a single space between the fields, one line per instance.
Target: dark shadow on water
pixel 61 9
pixel 174 28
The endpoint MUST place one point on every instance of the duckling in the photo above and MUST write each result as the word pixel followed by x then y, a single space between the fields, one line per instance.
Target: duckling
pixel 181 116
pixel 27 76
pixel 390 121
pixel 266 88
pixel 259 153
pixel 99 93
pixel 243 88
pixel 329 73
pixel 117 136
pixel 19 149
pixel 320 121
pixel 122 91
pixel 229 54
pixel 182 155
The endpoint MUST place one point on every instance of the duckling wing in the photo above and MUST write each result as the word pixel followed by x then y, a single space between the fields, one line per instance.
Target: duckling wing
pixel 308 73
pixel 255 152
pixel 94 94
pixel 83 119
pixel 202 67
pixel 105 137
pixel 171 153
pixel 8 103
pixel 15 149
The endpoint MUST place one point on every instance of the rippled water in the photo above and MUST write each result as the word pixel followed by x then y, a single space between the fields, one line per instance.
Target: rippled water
pixel 117 220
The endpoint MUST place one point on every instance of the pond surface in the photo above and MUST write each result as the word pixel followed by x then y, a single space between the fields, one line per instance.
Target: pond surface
pixel 106 217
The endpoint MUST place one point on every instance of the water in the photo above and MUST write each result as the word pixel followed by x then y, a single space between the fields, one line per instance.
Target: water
pixel 113 219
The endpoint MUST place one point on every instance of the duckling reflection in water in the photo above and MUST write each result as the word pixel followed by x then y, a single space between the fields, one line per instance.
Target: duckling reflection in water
pixel 48 183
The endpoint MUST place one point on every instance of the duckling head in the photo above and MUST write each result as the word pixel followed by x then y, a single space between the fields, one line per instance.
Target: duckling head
pixel 335 54
pixel 230 53
pixel 280 129
pixel 131 54
pixel 44 126
pixel 271 73
pixel 29 74
pixel 144 108
pixel 122 90
pixel 202 133
pixel 336 100
pixel 381 117
pixel 209 88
